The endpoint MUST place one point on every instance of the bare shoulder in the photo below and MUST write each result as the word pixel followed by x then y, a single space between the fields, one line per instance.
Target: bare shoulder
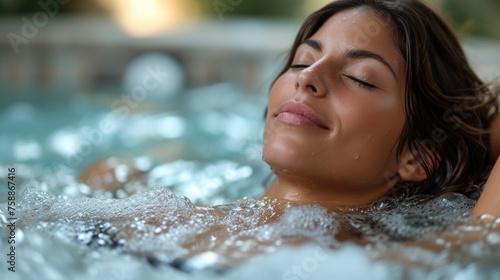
pixel 110 174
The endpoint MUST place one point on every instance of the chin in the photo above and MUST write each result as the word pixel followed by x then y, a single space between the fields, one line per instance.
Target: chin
pixel 284 155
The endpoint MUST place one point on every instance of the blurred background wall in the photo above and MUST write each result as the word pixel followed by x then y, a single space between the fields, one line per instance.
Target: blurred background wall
pixel 478 17
pixel 63 46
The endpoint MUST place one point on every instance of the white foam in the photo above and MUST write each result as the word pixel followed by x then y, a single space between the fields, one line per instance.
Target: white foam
pixel 441 240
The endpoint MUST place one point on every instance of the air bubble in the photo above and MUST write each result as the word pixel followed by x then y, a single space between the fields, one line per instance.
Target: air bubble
pixel 493 238
pixel 386 204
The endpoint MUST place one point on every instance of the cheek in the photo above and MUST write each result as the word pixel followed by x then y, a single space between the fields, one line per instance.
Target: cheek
pixel 276 95
pixel 372 128
pixel 282 87
pixel 384 115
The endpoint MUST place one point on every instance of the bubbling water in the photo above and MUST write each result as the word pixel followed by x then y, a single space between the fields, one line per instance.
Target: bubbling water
pixel 420 235
pixel 405 217
pixel 167 228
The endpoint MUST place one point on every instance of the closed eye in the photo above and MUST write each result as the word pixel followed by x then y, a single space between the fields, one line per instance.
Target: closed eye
pixel 295 66
pixel 361 83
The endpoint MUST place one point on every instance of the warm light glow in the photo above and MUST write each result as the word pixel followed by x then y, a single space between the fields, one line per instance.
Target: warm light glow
pixel 151 17
pixel 313 5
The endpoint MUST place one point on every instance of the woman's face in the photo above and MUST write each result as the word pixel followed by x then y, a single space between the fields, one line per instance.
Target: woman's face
pixel 335 116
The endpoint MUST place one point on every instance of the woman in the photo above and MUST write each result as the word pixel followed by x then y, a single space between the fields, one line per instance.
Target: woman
pixel 376 96
pixel 375 93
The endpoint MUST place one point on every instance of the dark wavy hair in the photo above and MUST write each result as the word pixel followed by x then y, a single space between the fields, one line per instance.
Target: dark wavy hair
pixel 448 107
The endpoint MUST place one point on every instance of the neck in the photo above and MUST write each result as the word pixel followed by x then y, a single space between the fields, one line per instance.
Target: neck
pixel 336 198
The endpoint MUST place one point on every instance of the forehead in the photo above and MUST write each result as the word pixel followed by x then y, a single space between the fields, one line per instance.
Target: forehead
pixel 360 28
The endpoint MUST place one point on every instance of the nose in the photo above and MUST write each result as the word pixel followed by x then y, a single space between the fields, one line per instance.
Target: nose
pixel 310 81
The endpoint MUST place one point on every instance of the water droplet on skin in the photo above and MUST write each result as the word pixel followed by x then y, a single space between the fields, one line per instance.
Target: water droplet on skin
pixel 355 156
pixel 343 19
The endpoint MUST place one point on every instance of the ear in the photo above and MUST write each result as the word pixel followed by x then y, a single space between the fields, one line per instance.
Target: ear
pixel 410 169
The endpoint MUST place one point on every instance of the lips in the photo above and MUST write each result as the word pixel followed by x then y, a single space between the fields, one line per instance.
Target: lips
pixel 299 114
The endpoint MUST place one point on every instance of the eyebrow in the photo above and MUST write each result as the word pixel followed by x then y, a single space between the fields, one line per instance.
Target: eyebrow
pixel 313 44
pixel 353 54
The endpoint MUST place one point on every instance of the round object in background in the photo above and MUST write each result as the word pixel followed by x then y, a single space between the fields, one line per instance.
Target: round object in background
pixel 153 77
